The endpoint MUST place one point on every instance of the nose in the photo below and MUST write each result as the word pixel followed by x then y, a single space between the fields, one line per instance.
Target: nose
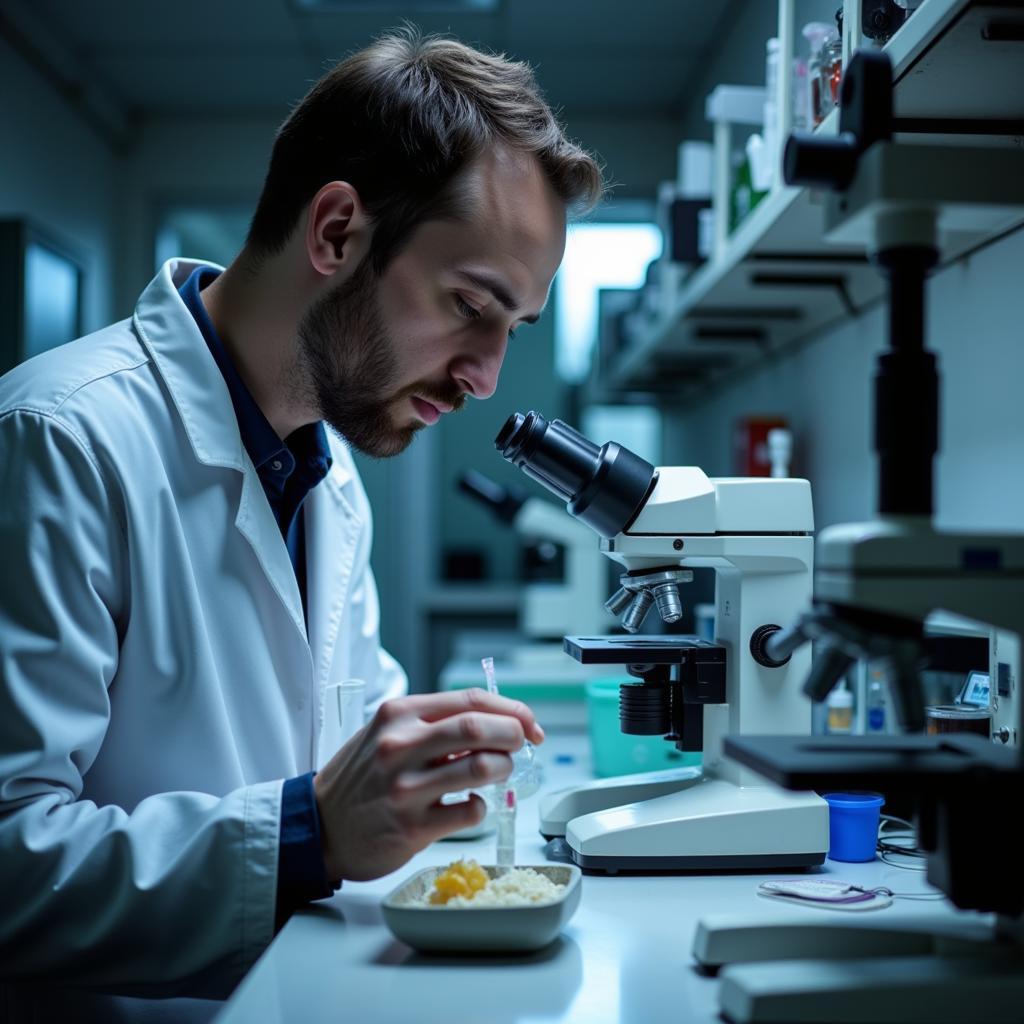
pixel 476 371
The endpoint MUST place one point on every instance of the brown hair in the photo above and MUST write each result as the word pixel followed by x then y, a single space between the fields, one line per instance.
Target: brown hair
pixel 398 121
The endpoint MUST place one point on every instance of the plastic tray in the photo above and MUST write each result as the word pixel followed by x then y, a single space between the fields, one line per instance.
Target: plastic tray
pixel 440 929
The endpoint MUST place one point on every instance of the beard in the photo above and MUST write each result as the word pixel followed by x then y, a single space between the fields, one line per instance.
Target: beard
pixel 348 369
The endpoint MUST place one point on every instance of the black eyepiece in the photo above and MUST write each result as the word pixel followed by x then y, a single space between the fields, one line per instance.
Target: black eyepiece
pixel 604 487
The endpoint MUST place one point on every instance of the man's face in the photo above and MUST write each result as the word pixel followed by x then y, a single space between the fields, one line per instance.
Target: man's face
pixel 386 356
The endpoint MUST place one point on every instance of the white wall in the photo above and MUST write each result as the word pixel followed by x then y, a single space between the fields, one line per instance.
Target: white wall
pixel 975 323
pixel 58 172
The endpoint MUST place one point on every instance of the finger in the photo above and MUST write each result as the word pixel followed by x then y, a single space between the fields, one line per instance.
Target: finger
pixel 444 819
pixel 440 741
pixel 432 707
pixel 474 771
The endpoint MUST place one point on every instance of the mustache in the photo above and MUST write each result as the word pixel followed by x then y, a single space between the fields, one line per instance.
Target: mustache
pixel 448 393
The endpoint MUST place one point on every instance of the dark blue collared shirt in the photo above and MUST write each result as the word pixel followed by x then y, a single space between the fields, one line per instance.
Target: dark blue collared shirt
pixel 288 470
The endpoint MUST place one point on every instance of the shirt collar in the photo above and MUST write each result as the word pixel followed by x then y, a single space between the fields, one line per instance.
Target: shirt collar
pixel 267 451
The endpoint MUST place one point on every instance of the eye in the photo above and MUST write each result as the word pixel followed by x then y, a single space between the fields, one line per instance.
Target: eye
pixel 465 309
pixel 472 313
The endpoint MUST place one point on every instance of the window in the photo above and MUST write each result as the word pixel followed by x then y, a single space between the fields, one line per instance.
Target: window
pixel 597 256
pixel 40 292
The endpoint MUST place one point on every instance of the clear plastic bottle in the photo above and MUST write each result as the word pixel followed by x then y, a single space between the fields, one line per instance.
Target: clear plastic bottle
pixel 801 96
pixel 875 703
pixel 771 66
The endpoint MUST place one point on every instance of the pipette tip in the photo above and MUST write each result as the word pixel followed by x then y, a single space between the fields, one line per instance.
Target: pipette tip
pixel 492 684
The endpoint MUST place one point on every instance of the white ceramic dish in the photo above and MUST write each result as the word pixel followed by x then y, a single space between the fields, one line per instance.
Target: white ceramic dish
pixel 441 929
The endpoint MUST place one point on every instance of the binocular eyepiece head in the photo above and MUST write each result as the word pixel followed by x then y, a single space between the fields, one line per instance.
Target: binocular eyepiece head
pixel 604 487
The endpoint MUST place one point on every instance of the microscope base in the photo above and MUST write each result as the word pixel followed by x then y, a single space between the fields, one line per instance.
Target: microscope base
pixel 900 990
pixel 559 808
pixel 725 939
pixel 712 824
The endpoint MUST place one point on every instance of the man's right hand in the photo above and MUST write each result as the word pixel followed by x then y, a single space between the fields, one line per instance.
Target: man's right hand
pixel 379 797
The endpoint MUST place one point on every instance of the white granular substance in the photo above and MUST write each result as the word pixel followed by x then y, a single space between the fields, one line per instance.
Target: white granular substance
pixel 516 888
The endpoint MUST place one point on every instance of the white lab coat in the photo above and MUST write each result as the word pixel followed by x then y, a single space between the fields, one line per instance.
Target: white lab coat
pixel 156 681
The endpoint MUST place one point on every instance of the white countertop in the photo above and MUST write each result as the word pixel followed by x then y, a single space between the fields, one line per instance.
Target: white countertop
pixel 624 958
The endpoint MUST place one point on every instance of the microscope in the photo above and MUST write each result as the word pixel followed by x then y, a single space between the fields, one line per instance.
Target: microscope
pixel 875 583
pixel 659 524
pixel 548 609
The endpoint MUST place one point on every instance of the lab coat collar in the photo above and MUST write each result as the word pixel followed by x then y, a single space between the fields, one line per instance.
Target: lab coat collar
pixel 333 527
pixel 201 396
pixel 193 379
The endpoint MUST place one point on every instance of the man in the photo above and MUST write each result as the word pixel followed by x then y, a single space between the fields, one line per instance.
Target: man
pixel 180 583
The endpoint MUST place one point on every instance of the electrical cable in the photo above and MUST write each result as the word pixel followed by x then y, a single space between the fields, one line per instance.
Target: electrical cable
pixel 898 844
pixel 891 845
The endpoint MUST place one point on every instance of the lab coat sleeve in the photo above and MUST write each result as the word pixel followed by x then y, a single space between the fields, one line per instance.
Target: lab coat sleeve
pixel 176 897
pixel 389 677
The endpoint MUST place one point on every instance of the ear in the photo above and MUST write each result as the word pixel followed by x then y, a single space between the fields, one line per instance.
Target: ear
pixel 337 229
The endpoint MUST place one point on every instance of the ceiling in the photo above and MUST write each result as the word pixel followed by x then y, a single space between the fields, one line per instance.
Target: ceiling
pixel 122 61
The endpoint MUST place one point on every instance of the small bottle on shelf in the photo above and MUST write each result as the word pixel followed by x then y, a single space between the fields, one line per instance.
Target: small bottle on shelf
pixel 767 168
pixel 831 72
pixel 874 704
pixel 817 34
pixel 839 721
pixel 780 449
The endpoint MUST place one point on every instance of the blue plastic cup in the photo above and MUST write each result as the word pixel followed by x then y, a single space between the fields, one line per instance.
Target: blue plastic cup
pixel 853 825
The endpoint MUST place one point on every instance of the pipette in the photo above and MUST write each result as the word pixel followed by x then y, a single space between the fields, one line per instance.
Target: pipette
pixel 525 775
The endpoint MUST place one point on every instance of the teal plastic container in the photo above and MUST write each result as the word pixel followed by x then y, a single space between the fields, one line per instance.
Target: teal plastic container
pixel 616 753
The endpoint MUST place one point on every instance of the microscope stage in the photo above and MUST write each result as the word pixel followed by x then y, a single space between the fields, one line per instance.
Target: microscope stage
pixel 886 763
pixel 648 650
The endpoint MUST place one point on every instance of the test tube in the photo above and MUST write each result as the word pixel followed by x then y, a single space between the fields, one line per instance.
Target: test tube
pixel 351 703
pixel 506 857
pixel 344 705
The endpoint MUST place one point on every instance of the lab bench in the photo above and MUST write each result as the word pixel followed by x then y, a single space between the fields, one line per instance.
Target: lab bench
pixel 624 958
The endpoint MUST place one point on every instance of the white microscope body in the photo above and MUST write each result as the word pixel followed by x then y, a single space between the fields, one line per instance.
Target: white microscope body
pixel 757 536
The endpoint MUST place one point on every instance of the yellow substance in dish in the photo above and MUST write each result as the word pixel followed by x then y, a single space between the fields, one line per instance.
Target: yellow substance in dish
pixel 463 878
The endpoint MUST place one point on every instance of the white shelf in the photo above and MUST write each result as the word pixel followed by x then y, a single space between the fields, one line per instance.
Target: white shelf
pixel 776 281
